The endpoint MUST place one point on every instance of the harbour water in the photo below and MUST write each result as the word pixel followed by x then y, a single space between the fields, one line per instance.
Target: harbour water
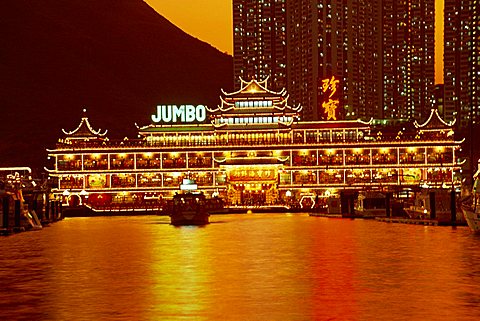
pixel 240 267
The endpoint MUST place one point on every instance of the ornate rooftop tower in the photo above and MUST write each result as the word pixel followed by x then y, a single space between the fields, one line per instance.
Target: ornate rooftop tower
pixel 254 105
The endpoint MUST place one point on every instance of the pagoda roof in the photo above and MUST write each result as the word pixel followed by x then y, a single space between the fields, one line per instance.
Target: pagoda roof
pixel 254 87
pixel 253 91
pixel 434 122
pixel 84 130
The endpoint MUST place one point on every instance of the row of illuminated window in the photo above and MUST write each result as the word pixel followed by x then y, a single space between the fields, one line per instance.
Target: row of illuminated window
pixel 253 138
pixel 358 176
pixel 284 177
pixel 253 120
pixel 96 181
pixel 339 157
pixel 254 103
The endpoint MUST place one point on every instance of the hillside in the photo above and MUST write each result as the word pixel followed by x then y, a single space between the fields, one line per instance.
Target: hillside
pixel 117 58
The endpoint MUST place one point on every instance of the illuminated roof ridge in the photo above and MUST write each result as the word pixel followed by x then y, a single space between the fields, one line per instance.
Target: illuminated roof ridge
pixel 278 101
pixel 84 128
pixel 285 105
pixel 434 122
pixel 254 86
pixel 368 122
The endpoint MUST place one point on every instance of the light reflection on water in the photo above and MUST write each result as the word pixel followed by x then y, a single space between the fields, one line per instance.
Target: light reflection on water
pixel 261 267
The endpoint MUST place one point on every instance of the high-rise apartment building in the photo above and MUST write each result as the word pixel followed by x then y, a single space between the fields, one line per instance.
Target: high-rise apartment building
pixel 382 53
pixel 456 70
pixel 408 58
pixel 259 41
pixel 474 78
pixel 302 53
pixel 339 38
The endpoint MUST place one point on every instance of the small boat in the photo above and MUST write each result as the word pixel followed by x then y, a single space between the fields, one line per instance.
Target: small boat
pixel 420 209
pixel 16 205
pixel 472 217
pixel 371 205
pixel 441 199
pixel 189 209
pixel 471 208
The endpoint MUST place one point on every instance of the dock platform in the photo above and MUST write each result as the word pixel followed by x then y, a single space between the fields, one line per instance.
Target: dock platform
pixel 407 221
pixel 326 215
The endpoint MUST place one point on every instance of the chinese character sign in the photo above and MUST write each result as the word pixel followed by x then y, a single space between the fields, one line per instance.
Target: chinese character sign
pixel 330 84
pixel 252 175
pixel 329 105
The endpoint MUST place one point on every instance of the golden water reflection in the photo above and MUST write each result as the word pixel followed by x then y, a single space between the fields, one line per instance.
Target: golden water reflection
pixel 244 267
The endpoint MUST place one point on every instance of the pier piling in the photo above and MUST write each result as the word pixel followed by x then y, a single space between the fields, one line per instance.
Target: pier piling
pixel 453 207
pixel 387 204
pixel 6 208
pixel 433 212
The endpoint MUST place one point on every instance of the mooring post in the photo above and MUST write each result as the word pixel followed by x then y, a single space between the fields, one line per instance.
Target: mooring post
pixel 388 195
pixel 352 205
pixel 343 205
pixel 54 211
pixel 453 207
pixel 6 208
pixel 59 210
pixel 433 212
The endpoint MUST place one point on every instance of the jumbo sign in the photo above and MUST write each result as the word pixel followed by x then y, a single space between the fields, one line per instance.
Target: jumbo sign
pixel 182 114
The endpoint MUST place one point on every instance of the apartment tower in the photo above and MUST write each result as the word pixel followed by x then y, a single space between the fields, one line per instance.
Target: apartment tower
pixel 381 52
pixel 456 68
pixel 474 77
pixel 335 38
pixel 408 58
pixel 259 41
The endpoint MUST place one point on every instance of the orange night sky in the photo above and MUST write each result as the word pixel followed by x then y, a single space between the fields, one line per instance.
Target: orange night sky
pixel 211 21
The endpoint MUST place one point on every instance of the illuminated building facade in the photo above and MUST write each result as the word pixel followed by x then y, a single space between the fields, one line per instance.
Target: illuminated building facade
pixel 252 150
pixel 474 78
pixel 456 68
pixel 335 38
pixel 259 41
pixel 408 58
pixel 381 51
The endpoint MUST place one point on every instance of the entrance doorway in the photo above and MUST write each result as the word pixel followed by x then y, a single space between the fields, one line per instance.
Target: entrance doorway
pixel 252 185
pixel 74 200
pixel 253 197
pixel 252 194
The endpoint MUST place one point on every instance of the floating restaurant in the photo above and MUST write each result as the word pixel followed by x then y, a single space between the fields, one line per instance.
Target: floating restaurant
pixel 253 149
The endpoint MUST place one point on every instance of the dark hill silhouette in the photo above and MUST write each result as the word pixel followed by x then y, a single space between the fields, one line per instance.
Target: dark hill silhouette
pixel 117 58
